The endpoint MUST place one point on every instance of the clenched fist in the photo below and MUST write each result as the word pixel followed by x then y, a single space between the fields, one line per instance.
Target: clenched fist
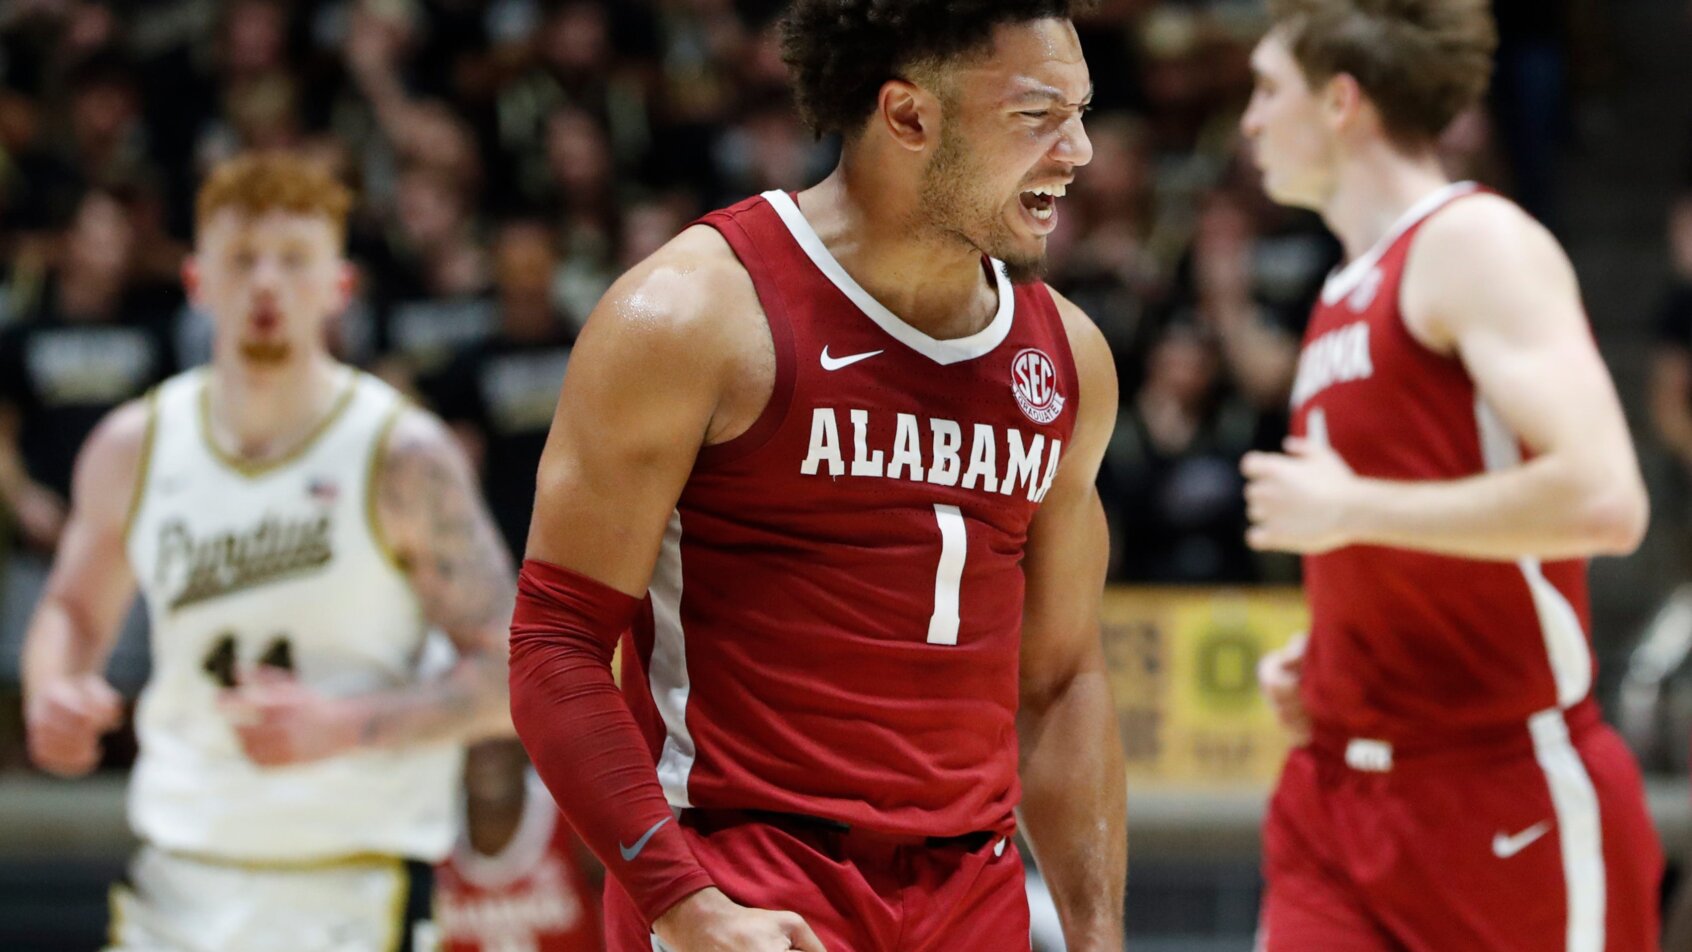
pixel 65 719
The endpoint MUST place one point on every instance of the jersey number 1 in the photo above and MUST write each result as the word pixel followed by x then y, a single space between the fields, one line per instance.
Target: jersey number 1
pixel 954 546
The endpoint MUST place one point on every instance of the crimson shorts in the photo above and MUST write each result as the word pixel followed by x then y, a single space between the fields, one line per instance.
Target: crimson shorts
pixel 858 892
pixel 1542 845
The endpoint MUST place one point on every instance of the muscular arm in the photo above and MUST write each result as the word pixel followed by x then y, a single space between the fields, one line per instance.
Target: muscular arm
pixel 1074 806
pixel 1487 284
pixel 677 355
pixel 66 701
pixel 433 518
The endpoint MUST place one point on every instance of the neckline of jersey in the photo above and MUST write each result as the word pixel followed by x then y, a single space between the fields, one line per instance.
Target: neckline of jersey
pixel 529 842
pixel 1346 278
pixel 943 352
pixel 255 468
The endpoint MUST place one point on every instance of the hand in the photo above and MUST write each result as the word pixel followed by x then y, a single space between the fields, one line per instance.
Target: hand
pixel 65 719
pixel 1297 502
pixel 709 921
pixel 41 516
pixel 1279 675
pixel 280 721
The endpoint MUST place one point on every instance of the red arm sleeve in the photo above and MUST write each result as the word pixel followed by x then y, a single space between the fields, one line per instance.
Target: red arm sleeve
pixel 583 739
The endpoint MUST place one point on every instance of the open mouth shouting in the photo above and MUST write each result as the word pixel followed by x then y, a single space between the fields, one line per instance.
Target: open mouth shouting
pixel 1039 207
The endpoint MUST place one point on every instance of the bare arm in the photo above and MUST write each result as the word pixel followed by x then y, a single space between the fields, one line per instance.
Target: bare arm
pixel 1074 803
pixel 1486 283
pixel 431 512
pixel 67 702
pixel 677 355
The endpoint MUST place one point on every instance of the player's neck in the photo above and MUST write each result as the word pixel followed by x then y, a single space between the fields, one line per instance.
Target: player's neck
pixel 262 414
pixel 937 286
pixel 1374 190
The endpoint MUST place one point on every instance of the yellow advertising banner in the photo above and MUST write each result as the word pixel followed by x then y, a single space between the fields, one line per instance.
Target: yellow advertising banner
pixel 1184 670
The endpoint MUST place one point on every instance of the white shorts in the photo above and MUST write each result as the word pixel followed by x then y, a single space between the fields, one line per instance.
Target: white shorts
pixel 184 904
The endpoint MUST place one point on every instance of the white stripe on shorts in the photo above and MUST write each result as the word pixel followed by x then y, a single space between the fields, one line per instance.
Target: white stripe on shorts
pixel 1578 830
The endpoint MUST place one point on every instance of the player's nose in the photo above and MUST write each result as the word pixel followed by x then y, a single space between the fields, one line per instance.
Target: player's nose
pixel 1074 148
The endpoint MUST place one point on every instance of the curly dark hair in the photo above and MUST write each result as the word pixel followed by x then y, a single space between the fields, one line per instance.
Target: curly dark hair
pixel 842 51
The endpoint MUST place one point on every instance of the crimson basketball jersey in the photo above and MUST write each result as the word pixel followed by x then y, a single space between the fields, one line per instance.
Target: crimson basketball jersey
pixel 530 897
pixel 834 623
pixel 1411 646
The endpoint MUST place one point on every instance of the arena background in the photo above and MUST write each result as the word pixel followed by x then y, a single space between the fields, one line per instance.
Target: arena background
pixel 512 156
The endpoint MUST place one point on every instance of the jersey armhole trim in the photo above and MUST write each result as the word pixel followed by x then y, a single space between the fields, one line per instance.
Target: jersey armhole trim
pixel 1408 239
pixel 143 472
pixel 373 473
pixel 1067 356
pixel 776 318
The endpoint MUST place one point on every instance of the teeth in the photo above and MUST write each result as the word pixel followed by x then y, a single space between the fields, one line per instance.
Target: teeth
pixel 1041 214
pixel 1050 191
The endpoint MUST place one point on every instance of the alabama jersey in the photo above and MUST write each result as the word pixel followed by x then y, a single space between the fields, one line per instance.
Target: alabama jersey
pixel 1406 646
pixel 834 623
pixel 278 564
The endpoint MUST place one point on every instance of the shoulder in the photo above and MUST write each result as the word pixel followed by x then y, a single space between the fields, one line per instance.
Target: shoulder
pixel 1481 242
pixel 687 292
pixel 416 438
pixel 1481 259
pixel 1093 361
pixel 113 458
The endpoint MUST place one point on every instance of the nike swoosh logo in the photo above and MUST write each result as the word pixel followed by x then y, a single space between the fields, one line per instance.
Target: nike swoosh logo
pixel 1505 847
pixel 630 852
pixel 835 363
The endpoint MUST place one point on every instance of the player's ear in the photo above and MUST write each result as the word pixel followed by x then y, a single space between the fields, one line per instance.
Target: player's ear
pixel 910 114
pixel 1342 100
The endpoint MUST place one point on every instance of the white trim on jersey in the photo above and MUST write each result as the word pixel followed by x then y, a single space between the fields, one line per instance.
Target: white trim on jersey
pixel 1579 831
pixel 668 673
pixel 1565 640
pixel 1346 279
pixel 943 352
pixel 1572 796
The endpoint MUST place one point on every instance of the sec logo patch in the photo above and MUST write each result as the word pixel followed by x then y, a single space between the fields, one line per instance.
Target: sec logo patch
pixel 1034 382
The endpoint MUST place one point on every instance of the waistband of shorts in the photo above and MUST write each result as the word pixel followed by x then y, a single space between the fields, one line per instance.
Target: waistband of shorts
pixel 711 819
pixel 303 865
pixel 1385 752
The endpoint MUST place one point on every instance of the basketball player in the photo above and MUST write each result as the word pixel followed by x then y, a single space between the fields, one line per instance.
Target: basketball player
pixel 295 528
pixel 1457 452
pixel 831 454
pixel 515 881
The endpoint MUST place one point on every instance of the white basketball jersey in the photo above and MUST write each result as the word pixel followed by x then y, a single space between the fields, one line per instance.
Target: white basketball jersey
pixel 283 560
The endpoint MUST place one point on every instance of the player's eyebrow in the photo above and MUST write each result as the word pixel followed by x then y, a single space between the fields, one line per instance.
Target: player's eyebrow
pixel 1040 92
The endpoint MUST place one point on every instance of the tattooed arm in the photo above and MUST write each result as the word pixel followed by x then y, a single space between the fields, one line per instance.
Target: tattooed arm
pixel 430 513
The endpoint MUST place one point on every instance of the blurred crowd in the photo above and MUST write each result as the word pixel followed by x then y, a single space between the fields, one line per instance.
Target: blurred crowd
pixel 511 157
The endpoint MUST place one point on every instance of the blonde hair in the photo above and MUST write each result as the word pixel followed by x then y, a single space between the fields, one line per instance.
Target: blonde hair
pixel 259 182
pixel 1421 62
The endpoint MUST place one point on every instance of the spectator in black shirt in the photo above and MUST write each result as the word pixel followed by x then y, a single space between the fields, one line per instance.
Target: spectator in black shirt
pixel 78 352
pixel 1171 480
pixel 1671 370
pixel 500 394
pixel 88 343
